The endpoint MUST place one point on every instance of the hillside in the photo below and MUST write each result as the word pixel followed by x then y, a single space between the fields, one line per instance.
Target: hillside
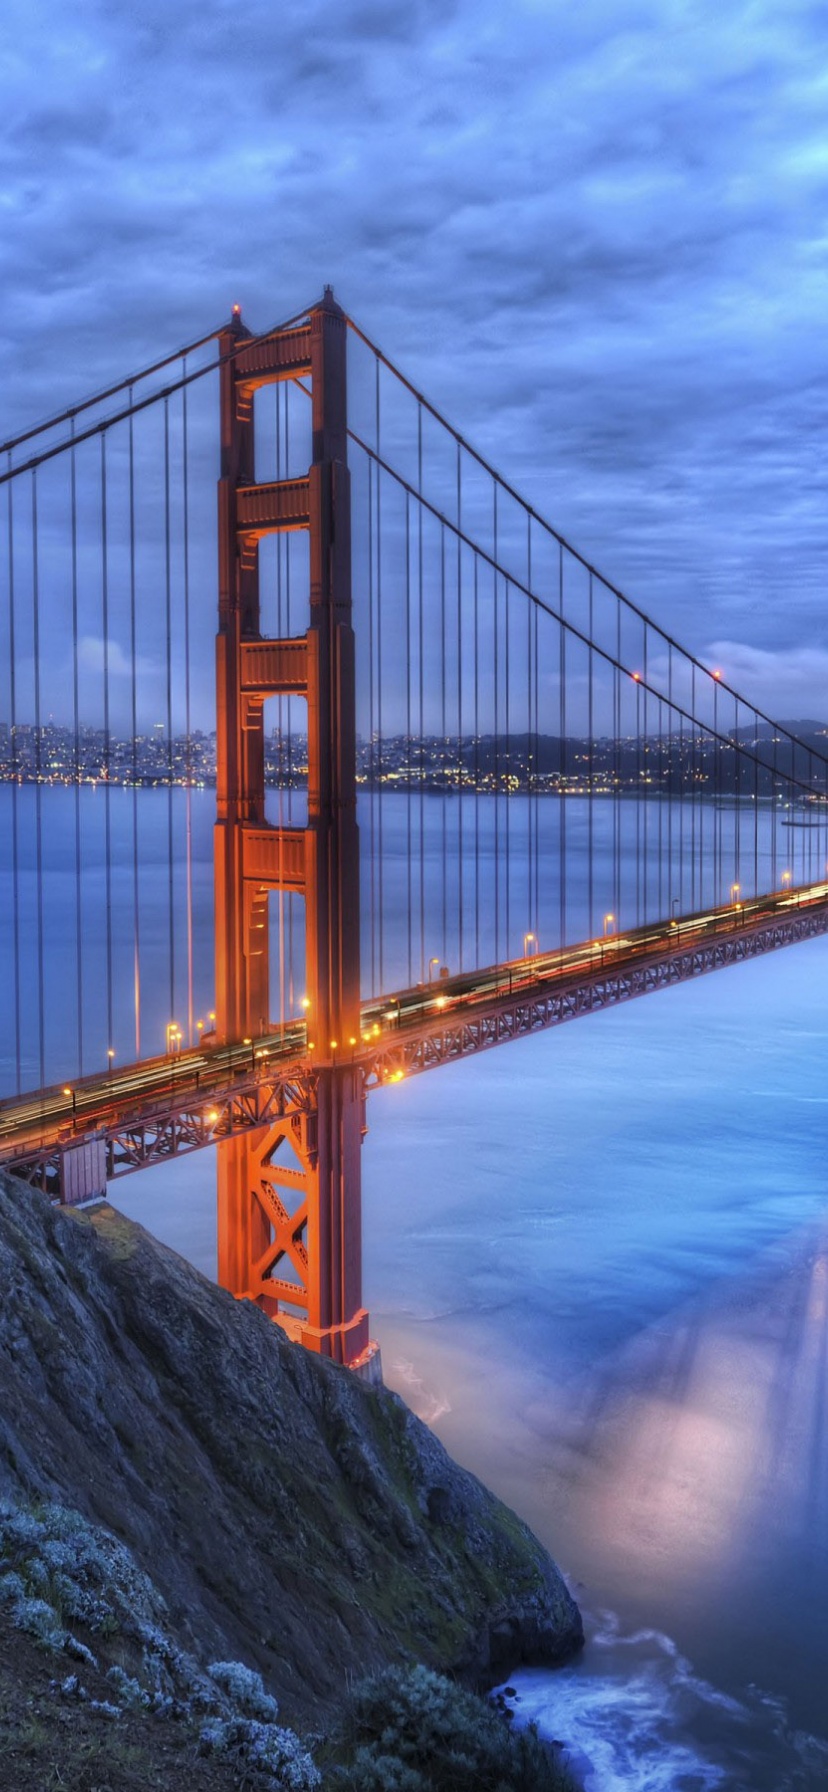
pixel 289 1517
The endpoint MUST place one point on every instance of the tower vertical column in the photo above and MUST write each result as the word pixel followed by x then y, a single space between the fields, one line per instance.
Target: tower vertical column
pixel 289 1233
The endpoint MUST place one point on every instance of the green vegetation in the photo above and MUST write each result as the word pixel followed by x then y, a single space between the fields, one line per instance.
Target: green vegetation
pixel 410 1730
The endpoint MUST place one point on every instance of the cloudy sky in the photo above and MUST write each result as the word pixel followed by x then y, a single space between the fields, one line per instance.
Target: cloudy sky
pixel 595 235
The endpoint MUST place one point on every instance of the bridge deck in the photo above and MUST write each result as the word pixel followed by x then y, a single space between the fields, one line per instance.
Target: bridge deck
pixel 161 1107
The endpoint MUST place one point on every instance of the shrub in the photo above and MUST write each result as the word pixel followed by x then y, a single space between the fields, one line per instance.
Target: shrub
pixel 273 1757
pixel 244 1689
pixel 411 1730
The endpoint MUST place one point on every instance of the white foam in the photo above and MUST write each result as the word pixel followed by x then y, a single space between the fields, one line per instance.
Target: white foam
pixel 634 1717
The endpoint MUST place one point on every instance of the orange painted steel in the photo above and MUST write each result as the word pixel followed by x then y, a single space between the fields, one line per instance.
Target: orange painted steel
pixel 289 1219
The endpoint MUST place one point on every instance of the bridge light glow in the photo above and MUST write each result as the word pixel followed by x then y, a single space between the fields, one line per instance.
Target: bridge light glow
pixel 212 1115
pixel 441 1001
pixel 334 1045
pixel 352 1041
pixel 636 677
pixel 717 672
pixel 305 1003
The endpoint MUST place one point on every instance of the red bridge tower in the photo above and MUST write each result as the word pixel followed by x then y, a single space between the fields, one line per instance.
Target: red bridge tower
pixel 289 1237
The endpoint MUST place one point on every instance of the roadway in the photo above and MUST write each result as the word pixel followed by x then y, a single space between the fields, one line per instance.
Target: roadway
pixel 118 1097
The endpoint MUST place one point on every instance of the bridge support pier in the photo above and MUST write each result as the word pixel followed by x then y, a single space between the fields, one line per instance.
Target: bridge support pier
pixel 289 1221
pixel 290 1234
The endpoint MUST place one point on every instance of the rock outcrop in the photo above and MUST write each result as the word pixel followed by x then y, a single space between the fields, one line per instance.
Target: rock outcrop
pixel 291 1517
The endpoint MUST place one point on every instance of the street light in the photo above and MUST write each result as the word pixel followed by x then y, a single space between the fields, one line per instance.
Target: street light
pixel 431 963
pixel 529 940
pixel 735 892
pixel 786 879
pixel 110 1054
pixel 609 925
pixel 173 1037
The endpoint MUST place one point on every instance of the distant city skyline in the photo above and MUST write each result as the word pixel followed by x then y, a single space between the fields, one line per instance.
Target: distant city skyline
pixel 542 763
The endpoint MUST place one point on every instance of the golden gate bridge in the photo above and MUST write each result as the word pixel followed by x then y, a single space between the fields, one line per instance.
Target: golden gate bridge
pixel 501 796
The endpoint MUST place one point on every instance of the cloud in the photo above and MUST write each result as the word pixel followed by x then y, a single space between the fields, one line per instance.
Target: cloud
pixel 96 655
pixel 596 238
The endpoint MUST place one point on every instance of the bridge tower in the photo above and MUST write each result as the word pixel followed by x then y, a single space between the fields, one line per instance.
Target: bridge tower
pixel 289 1237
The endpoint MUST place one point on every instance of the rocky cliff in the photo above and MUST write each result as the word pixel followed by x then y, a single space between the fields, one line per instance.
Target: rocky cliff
pixel 289 1516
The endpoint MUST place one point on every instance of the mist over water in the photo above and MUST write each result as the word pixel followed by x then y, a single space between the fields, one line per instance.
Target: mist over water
pixel 597 1263
pixel 603 1277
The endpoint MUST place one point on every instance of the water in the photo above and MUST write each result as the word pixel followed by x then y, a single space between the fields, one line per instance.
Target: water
pixel 604 1279
pixel 597 1262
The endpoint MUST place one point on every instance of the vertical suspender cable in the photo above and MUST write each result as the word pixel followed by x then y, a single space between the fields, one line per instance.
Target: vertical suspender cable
pixel 696 901
pixel 530 609
pixel 670 777
pixel 774 780
pixel 15 788
pixel 38 786
pixel 136 912
pixel 280 770
pixel 107 745
pixel 289 709
pixel 536 644
pixel 563 751
pixel 408 778
pixel 371 734
pixel 188 751
pixel 507 681
pixel 420 658
pixel 737 798
pixel 476 761
pixel 645 786
pixel 660 810
pixel 590 927
pixel 756 788
pixel 73 497
pixel 718 893
pixel 639 805
pixel 681 810
pixel 380 864
pixel 168 615
pixel 459 715
pixel 496 687
pixel 444 746
pixel 616 755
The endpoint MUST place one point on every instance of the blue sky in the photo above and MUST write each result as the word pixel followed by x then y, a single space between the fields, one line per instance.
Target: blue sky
pixel 597 238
